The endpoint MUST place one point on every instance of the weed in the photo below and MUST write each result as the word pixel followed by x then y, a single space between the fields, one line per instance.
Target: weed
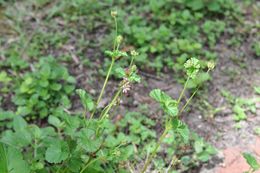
pixel 93 141
pixel 240 106
pixel 41 91
pixel 251 160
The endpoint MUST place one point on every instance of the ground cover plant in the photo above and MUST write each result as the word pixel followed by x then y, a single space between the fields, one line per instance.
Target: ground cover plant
pixel 67 104
pixel 88 143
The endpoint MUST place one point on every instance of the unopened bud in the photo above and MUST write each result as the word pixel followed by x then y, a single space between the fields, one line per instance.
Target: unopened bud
pixel 134 53
pixel 113 13
pixel 119 39
pixel 211 65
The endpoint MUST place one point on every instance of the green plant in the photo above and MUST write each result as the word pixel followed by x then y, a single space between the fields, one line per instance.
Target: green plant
pixel 240 105
pixel 257 131
pixel 91 142
pixel 44 90
pixel 171 109
pixel 256 48
pixel 251 160
pixel 4 81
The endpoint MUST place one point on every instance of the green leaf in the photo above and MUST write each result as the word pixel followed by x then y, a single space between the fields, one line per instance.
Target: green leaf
pixel 4 77
pixel 74 164
pixel 16 163
pixel 257 131
pixel 214 6
pixel 19 123
pixel 57 152
pixel 169 105
pixel 251 160
pixel 23 110
pixel 195 4
pixel 120 72
pixel 135 78
pixel 3 159
pixel 192 67
pixel 16 139
pixel 88 140
pixel 116 54
pixel 239 113
pixel 156 94
pixel 181 128
pixel 54 121
pixel 45 70
pixel 26 85
pixel 5 115
pixel 56 86
pixel 69 88
pixel 85 99
pixel 257 89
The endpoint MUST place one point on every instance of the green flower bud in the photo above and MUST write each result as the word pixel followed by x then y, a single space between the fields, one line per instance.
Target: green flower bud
pixel 211 65
pixel 113 13
pixel 133 68
pixel 192 67
pixel 134 53
pixel 119 39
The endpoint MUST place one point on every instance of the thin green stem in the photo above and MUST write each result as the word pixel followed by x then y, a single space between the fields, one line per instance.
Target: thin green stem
pixel 84 116
pixel 111 103
pixel 107 109
pixel 193 94
pixel 183 90
pixel 180 112
pixel 187 103
pixel 103 88
pixel 89 163
pixel 172 163
pixel 35 148
pixel 151 156
pixel 115 47
pixel 115 34
pixel 132 61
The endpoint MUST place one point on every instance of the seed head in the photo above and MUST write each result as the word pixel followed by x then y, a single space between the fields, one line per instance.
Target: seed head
pixel 126 86
pixel 119 39
pixel 133 68
pixel 134 53
pixel 192 67
pixel 211 65
pixel 113 13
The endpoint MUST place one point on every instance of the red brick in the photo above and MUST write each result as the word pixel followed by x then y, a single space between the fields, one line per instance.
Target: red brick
pixel 256 147
pixel 234 162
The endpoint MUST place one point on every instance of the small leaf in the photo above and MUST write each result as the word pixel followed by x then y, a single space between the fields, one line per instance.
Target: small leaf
pixel 57 152
pixel 16 163
pixel 19 123
pixel 54 121
pixel 181 128
pixel 3 159
pixel 88 140
pixel 156 95
pixel 86 99
pixel 56 86
pixel 257 90
pixel 239 113
pixel 120 72
pixel 251 160
pixel 169 105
